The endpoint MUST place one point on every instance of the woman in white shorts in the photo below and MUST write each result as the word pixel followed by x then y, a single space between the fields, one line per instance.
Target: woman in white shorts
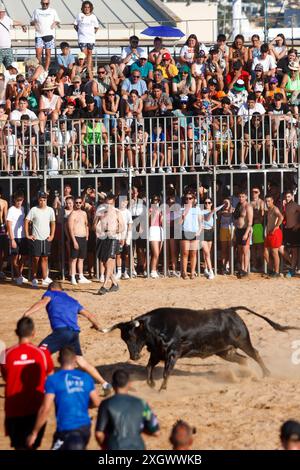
pixel 155 234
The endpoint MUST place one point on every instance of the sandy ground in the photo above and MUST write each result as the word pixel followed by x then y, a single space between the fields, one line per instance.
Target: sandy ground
pixel 231 406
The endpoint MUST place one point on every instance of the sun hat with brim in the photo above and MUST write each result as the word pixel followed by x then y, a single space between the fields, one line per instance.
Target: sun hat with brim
pixel 81 55
pixel 239 85
pixel 49 86
pixel 293 66
pixel 2 7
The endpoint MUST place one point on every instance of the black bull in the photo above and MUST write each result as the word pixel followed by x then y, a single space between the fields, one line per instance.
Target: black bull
pixel 171 333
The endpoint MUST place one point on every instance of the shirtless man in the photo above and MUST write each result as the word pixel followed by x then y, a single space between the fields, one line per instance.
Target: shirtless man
pixel 243 221
pixel 109 225
pixel 257 249
pixel 3 235
pixel 79 234
pixel 292 229
pixel 273 240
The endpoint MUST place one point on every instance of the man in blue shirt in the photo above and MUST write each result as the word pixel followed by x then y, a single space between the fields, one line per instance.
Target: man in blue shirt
pixel 134 83
pixel 63 313
pixel 143 66
pixel 73 392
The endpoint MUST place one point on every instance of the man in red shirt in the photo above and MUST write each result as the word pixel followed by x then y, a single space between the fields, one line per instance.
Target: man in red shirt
pixel 25 371
pixel 236 74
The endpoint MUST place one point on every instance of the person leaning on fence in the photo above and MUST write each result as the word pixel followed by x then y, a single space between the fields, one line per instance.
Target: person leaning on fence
pixel 45 20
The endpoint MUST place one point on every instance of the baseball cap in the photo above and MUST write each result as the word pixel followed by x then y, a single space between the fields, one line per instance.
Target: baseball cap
pixel 273 80
pixel 258 87
pixel 214 50
pixel 81 55
pixel 290 431
pixel 13 65
pixel 239 85
pixel 42 194
pixel 205 90
pixel 213 81
pixel 259 67
pixel 77 78
pixel 167 56
pixel 144 55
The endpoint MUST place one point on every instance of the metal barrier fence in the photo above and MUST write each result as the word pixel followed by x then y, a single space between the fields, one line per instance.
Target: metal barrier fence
pixel 159 144
pixel 217 185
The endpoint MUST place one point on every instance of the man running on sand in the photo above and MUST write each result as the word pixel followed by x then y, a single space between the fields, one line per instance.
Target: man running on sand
pixel 63 313
pixel 273 240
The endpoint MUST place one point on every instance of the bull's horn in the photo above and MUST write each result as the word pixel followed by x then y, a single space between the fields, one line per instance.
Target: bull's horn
pixel 136 323
pixel 108 330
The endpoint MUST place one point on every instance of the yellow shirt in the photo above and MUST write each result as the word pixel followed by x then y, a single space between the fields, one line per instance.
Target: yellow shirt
pixel 172 70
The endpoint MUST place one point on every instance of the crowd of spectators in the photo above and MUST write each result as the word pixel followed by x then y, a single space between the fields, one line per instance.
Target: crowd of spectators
pixel 149 110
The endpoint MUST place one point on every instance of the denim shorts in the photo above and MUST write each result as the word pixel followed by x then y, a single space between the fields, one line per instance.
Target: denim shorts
pixel 6 57
pixel 60 338
pixel 76 439
pixel 40 44
pixel 86 45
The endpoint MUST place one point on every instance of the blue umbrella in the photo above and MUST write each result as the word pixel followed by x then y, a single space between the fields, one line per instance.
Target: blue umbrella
pixel 163 31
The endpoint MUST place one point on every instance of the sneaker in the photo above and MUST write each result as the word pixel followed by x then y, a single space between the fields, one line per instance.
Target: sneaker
pixel 145 274
pixel 275 275
pixel 161 170
pixel 118 275
pixel 46 282
pixel 169 170
pixel 182 169
pixel 73 281
pixel 35 283
pixel 114 288
pixel 274 165
pixel 152 170
pixel 102 278
pixel 21 280
pixel 136 172
pixel 143 172
pixel 102 291
pixel 243 166
pixel 206 272
pixel 154 275
pixel 83 280
pixel 211 275
pixel 290 274
pixel 134 273
pixel 125 275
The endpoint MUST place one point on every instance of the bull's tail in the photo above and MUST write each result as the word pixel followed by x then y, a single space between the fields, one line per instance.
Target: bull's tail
pixel 273 324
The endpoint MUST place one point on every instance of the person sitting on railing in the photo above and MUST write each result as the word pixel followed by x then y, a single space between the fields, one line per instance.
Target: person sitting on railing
pixel 140 140
pixel 65 61
pixel 143 66
pixel 49 105
pixel 257 142
pixel 176 145
pixel 223 142
pixel 8 150
pixel 26 143
pixel 64 143
pixel 158 140
pixel 200 142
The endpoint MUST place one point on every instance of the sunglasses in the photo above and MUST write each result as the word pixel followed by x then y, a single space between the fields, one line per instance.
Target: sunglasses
pixel 78 202
pixel 111 94
pixel 136 76
pixel 101 71
pixel 189 198
pixel 207 202
pixel 44 4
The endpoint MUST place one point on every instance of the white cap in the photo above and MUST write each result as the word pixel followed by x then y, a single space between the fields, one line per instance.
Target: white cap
pixel 144 55
pixel 13 64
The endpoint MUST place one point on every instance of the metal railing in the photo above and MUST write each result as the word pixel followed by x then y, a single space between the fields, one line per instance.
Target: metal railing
pixel 158 144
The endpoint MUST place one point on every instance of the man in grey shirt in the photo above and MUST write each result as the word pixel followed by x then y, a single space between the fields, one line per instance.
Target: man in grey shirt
pixel 41 218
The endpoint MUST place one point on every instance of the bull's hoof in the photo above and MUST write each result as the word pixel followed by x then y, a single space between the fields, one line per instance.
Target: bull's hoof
pixel 151 383
pixel 163 387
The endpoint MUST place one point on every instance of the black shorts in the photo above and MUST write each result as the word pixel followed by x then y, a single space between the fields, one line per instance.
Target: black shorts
pixel 18 429
pixel 77 439
pixel 22 247
pixel 39 248
pixel 189 236
pixel 62 337
pixel 107 248
pixel 291 238
pixel 3 242
pixel 82 251
pixel 239 233
pixel 209 235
